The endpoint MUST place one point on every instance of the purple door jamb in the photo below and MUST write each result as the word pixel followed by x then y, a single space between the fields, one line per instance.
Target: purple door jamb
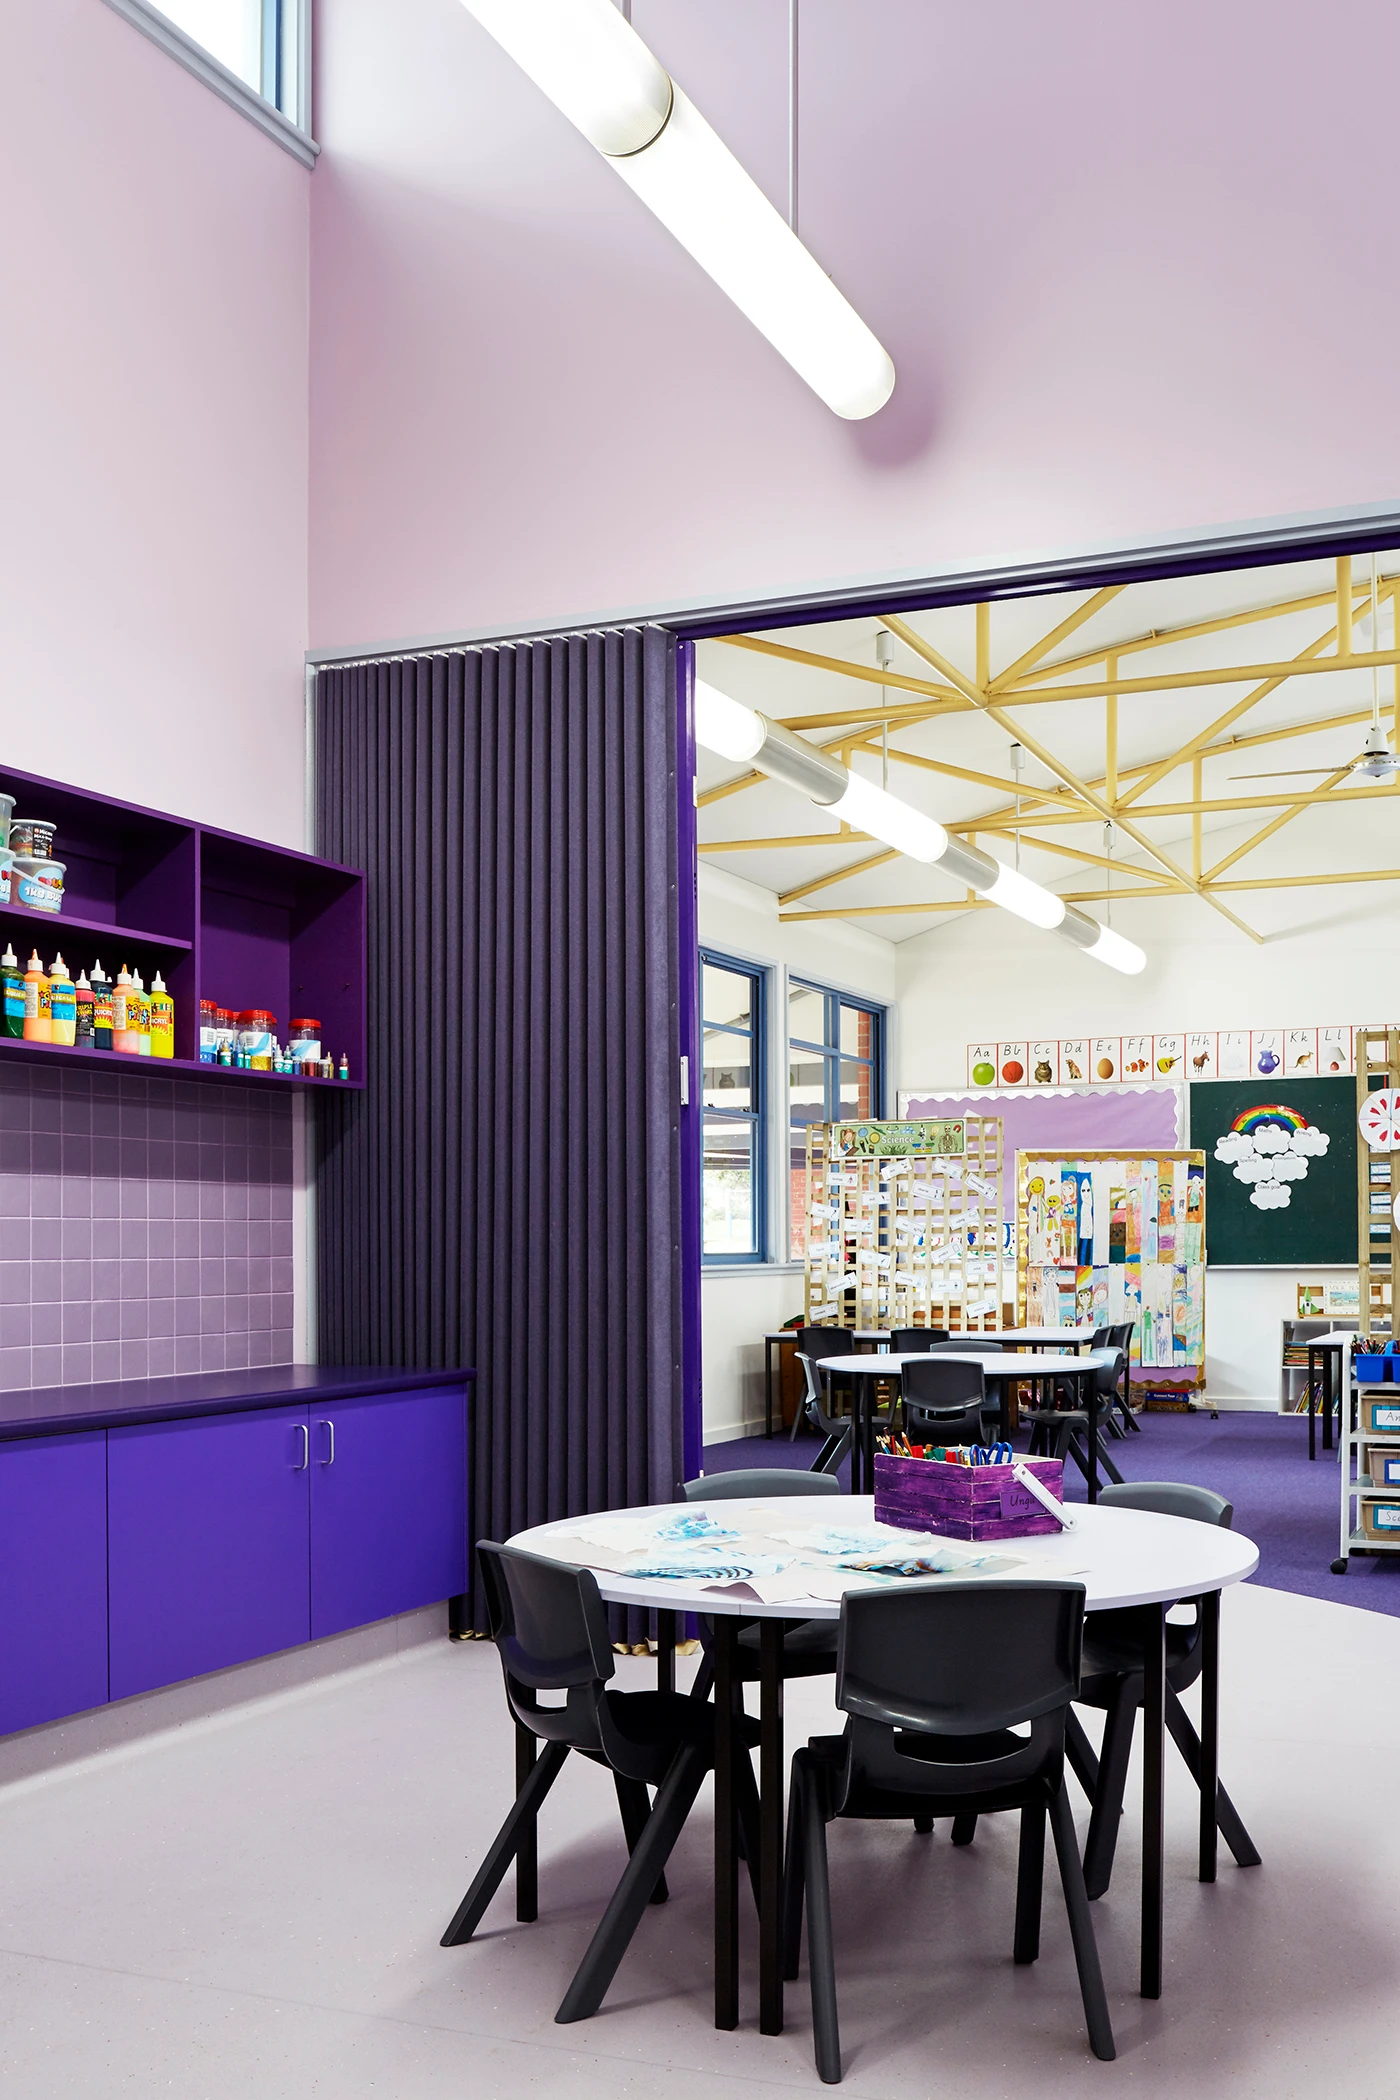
pixel 689 945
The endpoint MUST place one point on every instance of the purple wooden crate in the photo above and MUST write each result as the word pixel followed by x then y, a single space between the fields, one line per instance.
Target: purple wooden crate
pixel 964 1502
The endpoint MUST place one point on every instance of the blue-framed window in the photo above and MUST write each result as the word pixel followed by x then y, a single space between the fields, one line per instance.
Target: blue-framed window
pixel 836 1068
pixel 733 1060
pixel 263 43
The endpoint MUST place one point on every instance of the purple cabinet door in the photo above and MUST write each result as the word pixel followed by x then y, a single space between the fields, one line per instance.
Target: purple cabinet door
pixel 53 1578
pixel 388 1506
pixel 207 1543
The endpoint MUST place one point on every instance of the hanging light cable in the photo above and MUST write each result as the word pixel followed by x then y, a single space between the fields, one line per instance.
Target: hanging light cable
pixel 594 67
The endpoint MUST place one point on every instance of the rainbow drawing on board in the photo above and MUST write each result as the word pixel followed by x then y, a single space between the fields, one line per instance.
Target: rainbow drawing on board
pixel 1268 1147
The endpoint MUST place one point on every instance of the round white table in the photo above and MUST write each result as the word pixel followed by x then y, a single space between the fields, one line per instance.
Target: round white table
pixel 999 1367
pixel 1122 1556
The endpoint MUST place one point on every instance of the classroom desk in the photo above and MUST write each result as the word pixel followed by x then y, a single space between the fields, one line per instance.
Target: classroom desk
pixel 878 1335
pixel 1336 1386
pixel 1122 1556
pixel 1000 1367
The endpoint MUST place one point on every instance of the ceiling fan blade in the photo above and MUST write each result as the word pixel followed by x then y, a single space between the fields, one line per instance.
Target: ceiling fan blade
pixel 1289 773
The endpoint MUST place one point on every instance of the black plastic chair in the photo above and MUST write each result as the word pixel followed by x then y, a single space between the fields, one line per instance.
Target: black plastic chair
pixel 809 1645
pixel 813 1344
pixel 935 1679
pixel 836 1431
pixel 1112 1680
pixel 1121 1338
pixel 911 1341
pixel 1063 1432
pixel 975 1344
pixel 943 1403
pixel 551 1629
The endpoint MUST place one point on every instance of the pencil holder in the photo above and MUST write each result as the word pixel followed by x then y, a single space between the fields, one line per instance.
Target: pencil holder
pixel 964 1502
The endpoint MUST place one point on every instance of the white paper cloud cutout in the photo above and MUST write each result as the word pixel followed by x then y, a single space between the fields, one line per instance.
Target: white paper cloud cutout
pixel 1268 1159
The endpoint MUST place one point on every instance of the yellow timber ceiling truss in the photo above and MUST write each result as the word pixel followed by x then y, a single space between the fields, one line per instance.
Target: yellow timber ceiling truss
pixel 1120 795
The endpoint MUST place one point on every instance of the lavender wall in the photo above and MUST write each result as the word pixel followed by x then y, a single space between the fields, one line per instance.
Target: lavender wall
pixel 154 256
pixel 145 1226
pixel 1085 232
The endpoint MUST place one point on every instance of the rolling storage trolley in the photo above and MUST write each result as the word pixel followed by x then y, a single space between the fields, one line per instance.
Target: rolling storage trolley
pixel 1371 1474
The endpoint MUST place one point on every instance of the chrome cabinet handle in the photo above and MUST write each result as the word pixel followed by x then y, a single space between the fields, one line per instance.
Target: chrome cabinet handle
pixel 329 1427
pixel 305 1447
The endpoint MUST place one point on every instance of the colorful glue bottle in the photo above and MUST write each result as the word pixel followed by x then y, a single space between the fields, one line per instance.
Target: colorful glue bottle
pixel 63 1003
pixel 162 1019
pixel 84 1010
pixel 344 1072
pixel 38 1019
pixel 140 1019
pixel 125 1035
pixel 12 984
pixel 101 1008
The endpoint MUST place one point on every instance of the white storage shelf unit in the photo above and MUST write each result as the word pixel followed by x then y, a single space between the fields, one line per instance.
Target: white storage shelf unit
pixel 1293 1378
pixel 1357 1486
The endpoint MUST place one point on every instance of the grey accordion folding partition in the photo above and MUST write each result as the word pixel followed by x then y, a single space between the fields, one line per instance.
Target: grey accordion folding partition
pixel 506 1193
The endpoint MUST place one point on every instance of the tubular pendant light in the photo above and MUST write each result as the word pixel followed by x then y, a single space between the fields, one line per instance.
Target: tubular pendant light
pixel 743 735
pixel 594 67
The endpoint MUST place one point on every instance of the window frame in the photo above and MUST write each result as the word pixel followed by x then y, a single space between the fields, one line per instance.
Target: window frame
pixel 833 1058
pixel 757 1117
pixel 286 46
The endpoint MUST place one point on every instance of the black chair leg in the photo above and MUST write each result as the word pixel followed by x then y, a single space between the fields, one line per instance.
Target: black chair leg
pixel 832 1452
pixel 746 1801
pixel 1081 1929
pixel 794 1883
pixel 1102 1841
pixel 704 1678
pixel 924 1826
pixel 1227 1816
pixel 491 1872
pixel 1030 1875
pixel 630 1898
pixel 1080 1755
pixel 821 1957
pixel 1109 1467
pixel 634 1802
pixel 964 1829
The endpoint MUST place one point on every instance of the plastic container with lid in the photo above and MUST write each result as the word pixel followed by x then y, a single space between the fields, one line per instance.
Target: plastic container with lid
pixel 32 835
pixel 38 882
pixel 7 810
pixel 255 1026
pixel 7 872
pixel 304 1041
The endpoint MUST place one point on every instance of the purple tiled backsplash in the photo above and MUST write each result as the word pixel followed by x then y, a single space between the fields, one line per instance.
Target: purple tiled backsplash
pixel 145 1226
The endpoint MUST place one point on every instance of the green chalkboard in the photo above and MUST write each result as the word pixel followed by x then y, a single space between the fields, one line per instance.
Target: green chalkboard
pixel 1270 1129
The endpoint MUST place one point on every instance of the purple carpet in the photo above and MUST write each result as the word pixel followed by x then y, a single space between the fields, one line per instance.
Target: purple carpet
pixel 1288 1506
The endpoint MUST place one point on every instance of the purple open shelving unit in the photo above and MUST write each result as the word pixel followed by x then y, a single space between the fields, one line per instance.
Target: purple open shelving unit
pixel 221 917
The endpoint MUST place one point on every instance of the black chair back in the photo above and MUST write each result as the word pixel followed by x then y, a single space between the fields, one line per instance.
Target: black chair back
pixel 974 1344
pixel 1170 1498
pixel 933 1387
pixel 961 1660
pixel 911 1341
pixel 551 1632
pixel 755 1481
pixel 818 1342
pixel 1102 1338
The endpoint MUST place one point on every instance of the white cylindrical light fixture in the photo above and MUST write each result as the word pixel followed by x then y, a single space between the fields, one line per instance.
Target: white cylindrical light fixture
pixel 1017 893
pixel 726 726
pixel 1102 943
pixel 869 808
pixel 599 73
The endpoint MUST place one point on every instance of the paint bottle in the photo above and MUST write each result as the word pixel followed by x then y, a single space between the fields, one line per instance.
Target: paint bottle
pixel 38 1019
pixel 85 1007
pixel 142 1019
pixel 344 1072
pixel 125 1036
pixel 101 1008
pixel 12 986
pixel 63 1004
pixel 162 1019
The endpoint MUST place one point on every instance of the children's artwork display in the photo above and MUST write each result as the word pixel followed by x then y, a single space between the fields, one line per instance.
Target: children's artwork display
pixel 1112 1238
pixel 1133 1118
pixel 904 1224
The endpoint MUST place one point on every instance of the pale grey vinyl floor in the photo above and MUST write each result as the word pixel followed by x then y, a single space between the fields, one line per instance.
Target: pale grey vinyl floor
pixel 252 1906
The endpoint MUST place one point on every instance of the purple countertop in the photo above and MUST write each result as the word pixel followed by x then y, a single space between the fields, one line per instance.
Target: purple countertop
pixel 52 1410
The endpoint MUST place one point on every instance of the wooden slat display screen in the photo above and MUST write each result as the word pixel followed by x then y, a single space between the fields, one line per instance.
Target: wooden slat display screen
pixel 904 1224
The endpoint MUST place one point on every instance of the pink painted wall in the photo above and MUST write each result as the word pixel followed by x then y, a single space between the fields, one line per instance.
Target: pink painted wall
pixel 153 367
pixel 1119 255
